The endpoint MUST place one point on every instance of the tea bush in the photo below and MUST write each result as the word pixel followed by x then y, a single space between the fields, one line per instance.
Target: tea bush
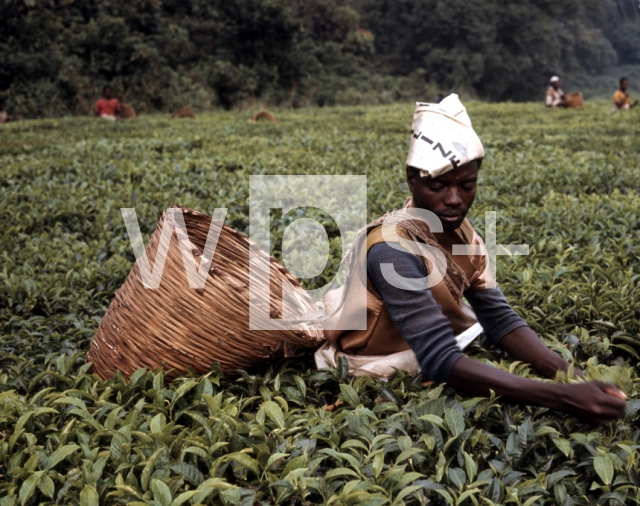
pixel 564 182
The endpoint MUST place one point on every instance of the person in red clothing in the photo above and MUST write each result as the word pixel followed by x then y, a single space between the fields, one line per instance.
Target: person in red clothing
pixel 107 107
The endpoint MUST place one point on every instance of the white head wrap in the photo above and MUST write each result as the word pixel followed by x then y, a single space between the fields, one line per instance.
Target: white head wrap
pixel 554 79
pixel 442 138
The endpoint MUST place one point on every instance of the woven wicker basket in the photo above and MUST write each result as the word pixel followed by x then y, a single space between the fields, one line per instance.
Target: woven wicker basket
pixel 127 112
pixel 574 100
pixel 175 327
pixel 263 115
pixel 184 112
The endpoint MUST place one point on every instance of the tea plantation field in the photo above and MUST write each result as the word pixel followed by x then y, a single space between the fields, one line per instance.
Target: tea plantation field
pixel 565 182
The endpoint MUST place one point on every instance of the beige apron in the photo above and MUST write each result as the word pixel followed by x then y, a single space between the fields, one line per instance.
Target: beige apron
pixel 380 349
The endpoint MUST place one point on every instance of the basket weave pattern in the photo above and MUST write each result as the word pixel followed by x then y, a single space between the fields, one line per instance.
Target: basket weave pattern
pixel 574 100
pixel 184 112
pixel 127 112
pixel 175 327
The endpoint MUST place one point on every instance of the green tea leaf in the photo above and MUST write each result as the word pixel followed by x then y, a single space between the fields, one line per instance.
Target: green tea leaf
pixel 604 467
pixel 350 395
pixel 9 500
pixel 274 412
pixel 158 423
pixel 274 458
pixel 190 472
pixel 341 471
pixel 161 492
pixel 563 445
pixel 184 497
pixel 148 469
pixel 433 419
pixel 378 463
pixel 457 477
pixel 470 466
pixel 47 486
pixel 60 454
pixel 455 421
pixel 391 396
pixel 245 461
pixel 89 496
pixel 29 487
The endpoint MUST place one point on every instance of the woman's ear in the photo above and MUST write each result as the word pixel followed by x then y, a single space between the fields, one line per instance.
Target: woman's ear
pixel 411 178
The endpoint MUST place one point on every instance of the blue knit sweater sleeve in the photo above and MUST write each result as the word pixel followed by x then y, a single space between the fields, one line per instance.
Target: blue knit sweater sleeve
pixel 419 317
pixel 415 312
pixel 494 313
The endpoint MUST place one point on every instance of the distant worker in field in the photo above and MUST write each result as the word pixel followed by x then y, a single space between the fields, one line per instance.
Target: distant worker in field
pixel 621 98
pixel 5 117
pixel 421 261
pixel 555 96
pixel 107 107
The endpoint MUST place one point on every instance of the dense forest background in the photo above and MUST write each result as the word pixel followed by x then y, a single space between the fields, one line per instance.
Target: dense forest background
pixel 55 55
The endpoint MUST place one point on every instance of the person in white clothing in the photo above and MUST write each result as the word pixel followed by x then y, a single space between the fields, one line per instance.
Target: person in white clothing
pixel 555 96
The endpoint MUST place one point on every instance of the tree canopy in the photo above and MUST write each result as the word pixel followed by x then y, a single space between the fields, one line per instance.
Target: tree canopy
pixel 55 55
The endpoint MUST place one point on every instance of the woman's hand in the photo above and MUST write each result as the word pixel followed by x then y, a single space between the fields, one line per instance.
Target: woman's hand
pixel 593 401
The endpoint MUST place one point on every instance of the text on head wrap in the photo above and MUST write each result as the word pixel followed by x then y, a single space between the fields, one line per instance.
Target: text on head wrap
pixel 445 154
